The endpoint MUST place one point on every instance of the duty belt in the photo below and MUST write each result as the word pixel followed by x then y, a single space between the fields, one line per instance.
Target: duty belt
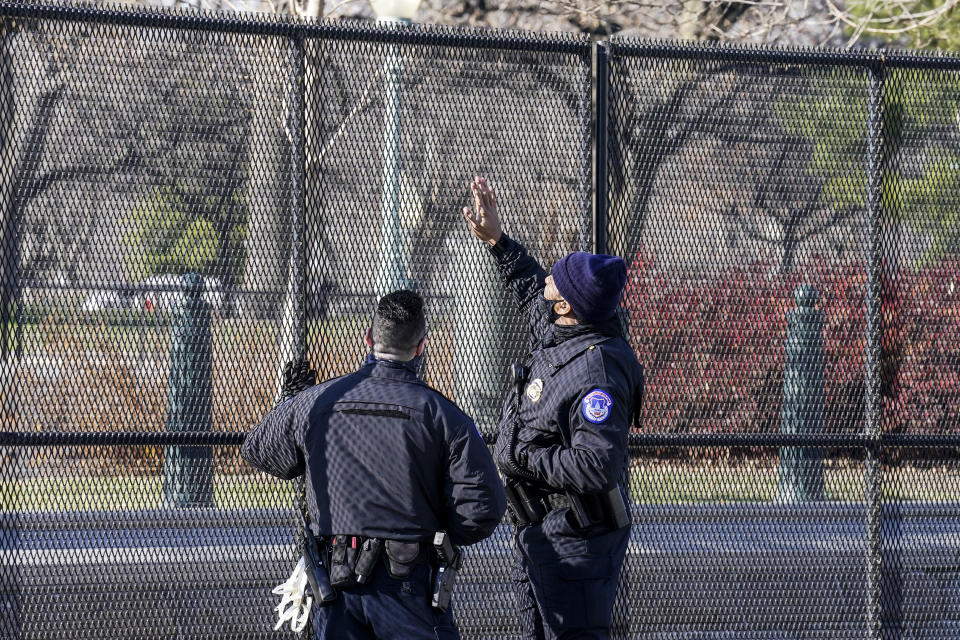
pixel 425 555
pixel 530 504
pixel 346 561
pixel 353 559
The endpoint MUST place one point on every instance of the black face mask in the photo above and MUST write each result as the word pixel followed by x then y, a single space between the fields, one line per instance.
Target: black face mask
pixel 418 364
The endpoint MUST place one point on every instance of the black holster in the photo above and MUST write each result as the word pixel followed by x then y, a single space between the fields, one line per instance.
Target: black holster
pixel 317 575
pixel 608 508
pixel 449 559
pixel 343 561
pixel 529 504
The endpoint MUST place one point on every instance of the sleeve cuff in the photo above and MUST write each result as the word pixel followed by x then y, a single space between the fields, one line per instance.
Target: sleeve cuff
pixel 503 244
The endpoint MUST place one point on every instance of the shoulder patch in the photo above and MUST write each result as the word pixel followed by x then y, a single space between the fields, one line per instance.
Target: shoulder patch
pixel 596 406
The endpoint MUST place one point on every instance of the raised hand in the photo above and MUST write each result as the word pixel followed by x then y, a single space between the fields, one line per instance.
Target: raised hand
pixel 483 218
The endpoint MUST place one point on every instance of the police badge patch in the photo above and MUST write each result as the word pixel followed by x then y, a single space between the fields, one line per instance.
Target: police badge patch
pixel 534 389
pixel 596 406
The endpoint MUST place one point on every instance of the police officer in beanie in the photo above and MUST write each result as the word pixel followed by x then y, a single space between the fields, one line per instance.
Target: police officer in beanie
pixel 388 462
pixel 562 441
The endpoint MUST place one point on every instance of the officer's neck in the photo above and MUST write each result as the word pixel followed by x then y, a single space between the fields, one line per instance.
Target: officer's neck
pixel 393 357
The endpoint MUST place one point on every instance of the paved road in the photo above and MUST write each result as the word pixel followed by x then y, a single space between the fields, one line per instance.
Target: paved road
pixel 731 571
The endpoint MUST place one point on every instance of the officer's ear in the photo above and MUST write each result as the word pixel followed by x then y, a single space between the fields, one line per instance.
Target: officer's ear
pixel 563 309
pixel 368 337
pixel 422 346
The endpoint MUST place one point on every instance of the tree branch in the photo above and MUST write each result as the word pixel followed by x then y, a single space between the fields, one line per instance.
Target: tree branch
pixel 362 104
pixel 41 183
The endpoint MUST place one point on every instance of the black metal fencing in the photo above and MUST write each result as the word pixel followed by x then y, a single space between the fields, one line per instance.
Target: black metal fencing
pixel 789 220
pixel 794 282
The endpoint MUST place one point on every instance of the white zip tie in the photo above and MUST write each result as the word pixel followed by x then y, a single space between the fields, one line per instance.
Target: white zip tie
pixel 294 603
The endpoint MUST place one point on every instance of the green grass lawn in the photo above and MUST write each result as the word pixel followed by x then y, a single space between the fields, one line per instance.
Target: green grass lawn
pixel 124 493
pixel 150 335
pixel 657 483
pixel 651 483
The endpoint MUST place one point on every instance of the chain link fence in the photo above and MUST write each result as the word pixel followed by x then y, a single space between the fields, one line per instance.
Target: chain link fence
pixel 793 296
pixel 190 200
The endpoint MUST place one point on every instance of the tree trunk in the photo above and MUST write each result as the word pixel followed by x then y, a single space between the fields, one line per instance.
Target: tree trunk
pixel 690 20
pixel 311 9
pixel 268 225
pixel 8 261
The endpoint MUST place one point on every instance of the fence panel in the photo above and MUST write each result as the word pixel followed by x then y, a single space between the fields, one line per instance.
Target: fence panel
pixel 279 161
pixel 400 132
pixel 920 325
pixel 792 261
pixel 787 219
pixel 736 189
pixel 134 153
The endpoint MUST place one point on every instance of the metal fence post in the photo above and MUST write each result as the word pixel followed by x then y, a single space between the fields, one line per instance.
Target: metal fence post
pixel 601 199
pixel 394 252
pixel 622 614
pixel 11 325
pixel 293 344
pixel 9 221
pixel 188 471
pixel 801 468
pixel 874 497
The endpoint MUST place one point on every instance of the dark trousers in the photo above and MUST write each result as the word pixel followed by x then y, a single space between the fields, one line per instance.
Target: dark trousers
pixel 566 579
pixel 385 609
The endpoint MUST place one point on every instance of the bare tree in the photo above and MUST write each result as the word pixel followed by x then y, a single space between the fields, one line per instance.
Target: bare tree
pixel 915 23
pixel 51 106
pixel 192 204
pixel 8 233
pixel 785 213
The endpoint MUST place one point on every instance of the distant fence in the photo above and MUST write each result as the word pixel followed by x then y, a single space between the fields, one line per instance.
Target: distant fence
pixel 788 217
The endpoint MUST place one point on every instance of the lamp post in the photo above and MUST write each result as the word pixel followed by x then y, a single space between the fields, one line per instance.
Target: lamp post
pixel 801 468
pixel 394 254
pixel 188 471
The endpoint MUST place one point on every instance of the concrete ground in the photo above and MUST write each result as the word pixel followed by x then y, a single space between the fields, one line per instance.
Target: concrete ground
pixel 746 570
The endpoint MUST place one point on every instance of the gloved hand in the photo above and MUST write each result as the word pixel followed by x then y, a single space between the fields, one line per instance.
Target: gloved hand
pixel 297 376
pixel 294 603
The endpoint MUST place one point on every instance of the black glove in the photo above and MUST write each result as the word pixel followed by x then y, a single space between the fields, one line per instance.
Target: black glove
pixel 297 376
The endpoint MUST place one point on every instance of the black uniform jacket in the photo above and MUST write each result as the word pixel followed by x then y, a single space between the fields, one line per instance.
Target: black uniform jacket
pixel 584 388
pixel 385 456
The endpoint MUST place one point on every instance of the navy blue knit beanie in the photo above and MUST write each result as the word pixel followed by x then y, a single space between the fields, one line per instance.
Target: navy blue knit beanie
pixel 591 283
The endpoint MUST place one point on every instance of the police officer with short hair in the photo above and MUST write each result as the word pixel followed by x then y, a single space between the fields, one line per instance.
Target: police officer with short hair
pixel 388 463
pixel 562 441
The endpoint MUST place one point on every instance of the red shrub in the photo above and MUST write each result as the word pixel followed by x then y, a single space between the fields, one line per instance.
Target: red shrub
pixel 713 346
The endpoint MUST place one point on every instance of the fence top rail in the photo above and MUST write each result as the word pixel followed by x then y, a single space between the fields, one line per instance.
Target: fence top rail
pixel 841 441
pixel 872 59
pixel 477 38
pixel 637 441
pixel 264 24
